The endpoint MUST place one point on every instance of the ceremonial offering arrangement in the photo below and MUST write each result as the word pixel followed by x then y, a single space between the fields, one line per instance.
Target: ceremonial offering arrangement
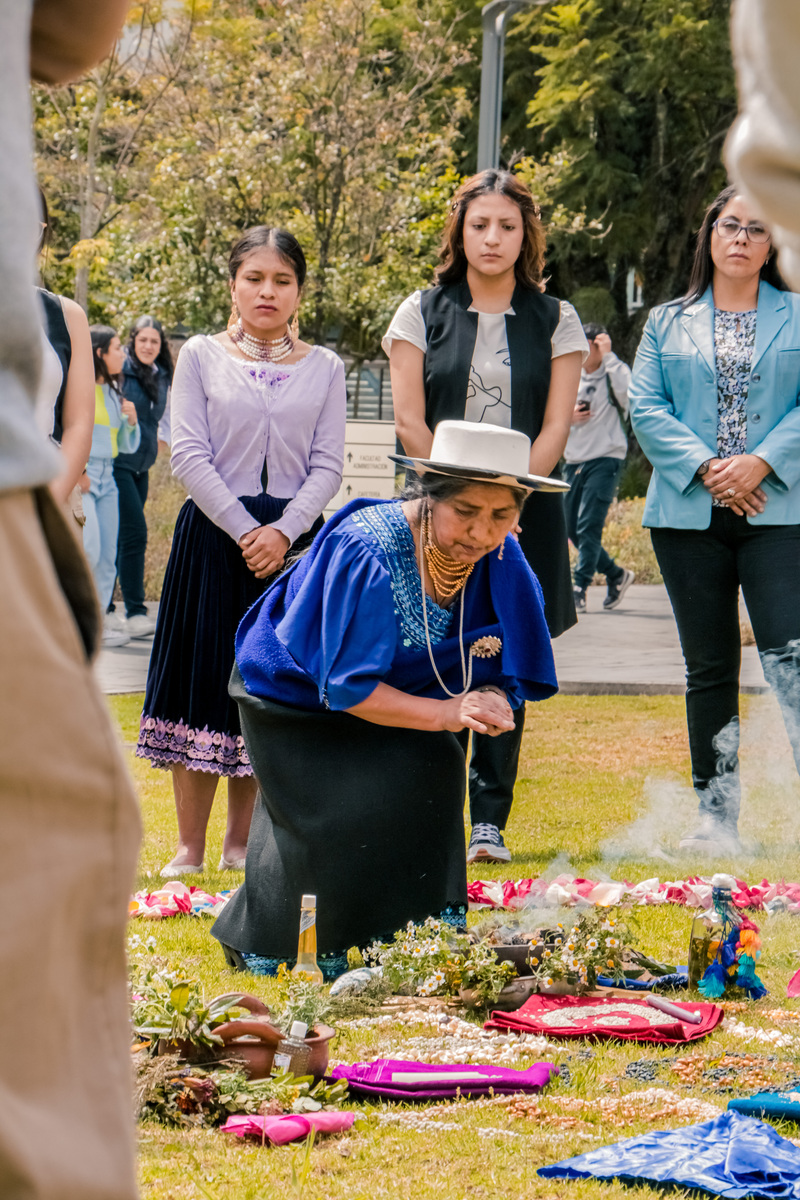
pixel 724 947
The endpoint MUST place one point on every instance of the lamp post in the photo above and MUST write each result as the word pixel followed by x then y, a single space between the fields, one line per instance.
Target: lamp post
pixel 494 18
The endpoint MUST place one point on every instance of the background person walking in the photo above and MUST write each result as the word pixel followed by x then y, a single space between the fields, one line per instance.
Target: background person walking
pixel 594 454
pixel 115 429
pixel 146 378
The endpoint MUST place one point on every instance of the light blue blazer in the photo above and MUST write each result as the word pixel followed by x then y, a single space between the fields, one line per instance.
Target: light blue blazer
pixel 673 396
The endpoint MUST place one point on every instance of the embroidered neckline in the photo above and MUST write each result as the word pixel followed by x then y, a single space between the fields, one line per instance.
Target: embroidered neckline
pixel 386 526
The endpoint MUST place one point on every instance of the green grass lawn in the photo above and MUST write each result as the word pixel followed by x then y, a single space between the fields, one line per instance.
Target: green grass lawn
pixel 603 791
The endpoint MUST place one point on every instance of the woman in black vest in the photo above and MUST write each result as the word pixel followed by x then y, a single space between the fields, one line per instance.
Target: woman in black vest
pixel 146 380
pixel 487 344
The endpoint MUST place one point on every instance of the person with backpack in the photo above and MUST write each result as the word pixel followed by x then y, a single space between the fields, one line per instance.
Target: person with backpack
pixel 594 454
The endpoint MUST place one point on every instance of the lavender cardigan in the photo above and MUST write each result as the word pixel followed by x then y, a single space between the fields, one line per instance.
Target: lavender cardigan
pixel 228 415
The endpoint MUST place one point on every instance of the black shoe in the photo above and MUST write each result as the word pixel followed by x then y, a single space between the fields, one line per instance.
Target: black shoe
pixel 580 599
pixel 486 844
pixel 618 589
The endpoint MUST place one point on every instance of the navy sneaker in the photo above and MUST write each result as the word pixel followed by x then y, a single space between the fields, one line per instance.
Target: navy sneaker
pixel 618 589
pixel 486 843
pixel 580 599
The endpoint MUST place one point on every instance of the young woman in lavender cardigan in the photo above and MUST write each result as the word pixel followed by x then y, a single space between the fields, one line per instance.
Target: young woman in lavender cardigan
pixel 258 421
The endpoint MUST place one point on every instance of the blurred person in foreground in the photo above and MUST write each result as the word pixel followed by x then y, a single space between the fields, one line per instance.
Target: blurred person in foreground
pixel 715 403
pixel 70 824
pixel 763 149
pixel 594 454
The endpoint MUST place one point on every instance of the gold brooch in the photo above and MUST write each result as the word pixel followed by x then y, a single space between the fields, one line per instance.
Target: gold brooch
pixel 485 647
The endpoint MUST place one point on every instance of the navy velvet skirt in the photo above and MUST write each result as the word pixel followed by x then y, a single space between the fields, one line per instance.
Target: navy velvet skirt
pixel 188 716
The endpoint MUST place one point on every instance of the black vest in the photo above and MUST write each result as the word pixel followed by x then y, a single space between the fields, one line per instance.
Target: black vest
pixel 450 331
pixel 58 336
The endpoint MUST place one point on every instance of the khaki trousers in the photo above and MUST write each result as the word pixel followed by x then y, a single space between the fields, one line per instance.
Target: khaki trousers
pixel 70 834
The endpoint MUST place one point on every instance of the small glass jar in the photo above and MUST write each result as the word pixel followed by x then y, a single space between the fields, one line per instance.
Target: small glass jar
pixel 293 1053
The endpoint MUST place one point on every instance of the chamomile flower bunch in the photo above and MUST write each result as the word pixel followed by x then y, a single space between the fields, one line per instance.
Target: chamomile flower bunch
pixel 594 944
pixel 420 960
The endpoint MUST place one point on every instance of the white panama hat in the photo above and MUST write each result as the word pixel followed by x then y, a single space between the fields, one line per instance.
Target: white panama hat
pixel 484 454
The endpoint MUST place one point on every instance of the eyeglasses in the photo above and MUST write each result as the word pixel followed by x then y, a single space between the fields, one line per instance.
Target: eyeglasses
pixel 729 228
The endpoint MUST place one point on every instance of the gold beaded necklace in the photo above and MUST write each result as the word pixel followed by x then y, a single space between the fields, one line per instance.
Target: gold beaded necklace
pixel 447 575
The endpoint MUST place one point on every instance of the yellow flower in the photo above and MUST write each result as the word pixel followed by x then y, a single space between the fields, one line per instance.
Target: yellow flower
pixel 609 962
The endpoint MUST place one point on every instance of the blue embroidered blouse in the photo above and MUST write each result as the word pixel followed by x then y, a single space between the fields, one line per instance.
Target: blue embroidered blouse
pixel 348 616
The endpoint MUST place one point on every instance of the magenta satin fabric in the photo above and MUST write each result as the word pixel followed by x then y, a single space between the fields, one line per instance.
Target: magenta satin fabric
pixel 289 1128
pixel 376 1079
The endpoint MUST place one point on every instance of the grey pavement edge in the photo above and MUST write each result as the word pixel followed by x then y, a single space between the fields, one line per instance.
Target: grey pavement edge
pixel 633 650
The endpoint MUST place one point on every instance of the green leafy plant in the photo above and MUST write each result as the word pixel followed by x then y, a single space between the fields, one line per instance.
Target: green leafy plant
pixel 170 1092
pixel 301 1000
pixel 483 973
pixel 166 1005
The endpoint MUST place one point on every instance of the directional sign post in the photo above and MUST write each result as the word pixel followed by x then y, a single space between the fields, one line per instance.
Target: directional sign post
pixel 368 471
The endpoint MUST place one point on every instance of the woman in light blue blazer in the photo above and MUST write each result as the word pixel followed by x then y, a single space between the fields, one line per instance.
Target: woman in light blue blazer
pixel 715 404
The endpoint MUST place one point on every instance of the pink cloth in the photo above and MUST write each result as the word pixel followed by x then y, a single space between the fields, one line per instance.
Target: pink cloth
pixel 565 890
pixel 280 1130
pixel 175 899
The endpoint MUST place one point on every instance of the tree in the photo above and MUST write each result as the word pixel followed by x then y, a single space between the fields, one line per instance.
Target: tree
pixel 329 117
pixel 90 134
pixel 633 103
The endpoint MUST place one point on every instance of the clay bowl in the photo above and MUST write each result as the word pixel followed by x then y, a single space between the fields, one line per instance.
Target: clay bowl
pixel 252 1039
pixel 254 1042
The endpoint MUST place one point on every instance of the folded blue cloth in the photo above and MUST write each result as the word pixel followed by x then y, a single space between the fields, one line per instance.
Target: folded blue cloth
pixel 679 979
pixel 782 1105
pixel 732 1156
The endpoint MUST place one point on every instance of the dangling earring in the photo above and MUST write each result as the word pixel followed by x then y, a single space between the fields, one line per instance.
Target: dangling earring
pixel 294 326
pixel 233 319
pixel 500 551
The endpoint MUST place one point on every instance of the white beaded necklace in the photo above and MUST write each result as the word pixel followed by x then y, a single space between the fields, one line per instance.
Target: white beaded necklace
pixel 261 349
pixel 466 666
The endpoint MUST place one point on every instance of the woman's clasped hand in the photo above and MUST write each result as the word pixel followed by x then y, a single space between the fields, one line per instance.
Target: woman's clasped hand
pixel 483 711
pixel 735 481
pixel 264 550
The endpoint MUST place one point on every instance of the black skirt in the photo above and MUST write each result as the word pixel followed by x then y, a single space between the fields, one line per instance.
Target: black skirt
pixel 189 719
pixel 544 543
pixel 366 817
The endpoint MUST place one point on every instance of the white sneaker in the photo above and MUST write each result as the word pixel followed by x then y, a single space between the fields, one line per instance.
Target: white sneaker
pixel 113 633
pixel 140 626
pixel 713 838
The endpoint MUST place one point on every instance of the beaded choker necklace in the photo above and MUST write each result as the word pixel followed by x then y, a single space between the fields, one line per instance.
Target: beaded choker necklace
pixel 466 663
pixel 263 349
pixel 448 575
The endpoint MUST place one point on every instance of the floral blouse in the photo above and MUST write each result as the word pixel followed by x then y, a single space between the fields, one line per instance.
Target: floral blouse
pixel 734 342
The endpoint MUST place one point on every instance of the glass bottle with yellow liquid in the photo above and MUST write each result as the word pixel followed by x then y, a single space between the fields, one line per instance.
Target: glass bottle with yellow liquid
pixel 307 945
pixel 710 929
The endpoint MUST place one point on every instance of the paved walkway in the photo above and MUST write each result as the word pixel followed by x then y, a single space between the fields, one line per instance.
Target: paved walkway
pixel 633 650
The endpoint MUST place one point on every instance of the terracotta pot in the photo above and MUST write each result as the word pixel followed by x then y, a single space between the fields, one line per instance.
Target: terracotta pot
pixel 255 1042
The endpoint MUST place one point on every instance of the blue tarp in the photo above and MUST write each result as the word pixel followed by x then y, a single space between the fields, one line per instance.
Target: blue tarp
pixel 732 1156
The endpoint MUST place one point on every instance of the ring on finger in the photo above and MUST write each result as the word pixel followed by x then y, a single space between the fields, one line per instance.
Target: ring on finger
pixel 731 491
